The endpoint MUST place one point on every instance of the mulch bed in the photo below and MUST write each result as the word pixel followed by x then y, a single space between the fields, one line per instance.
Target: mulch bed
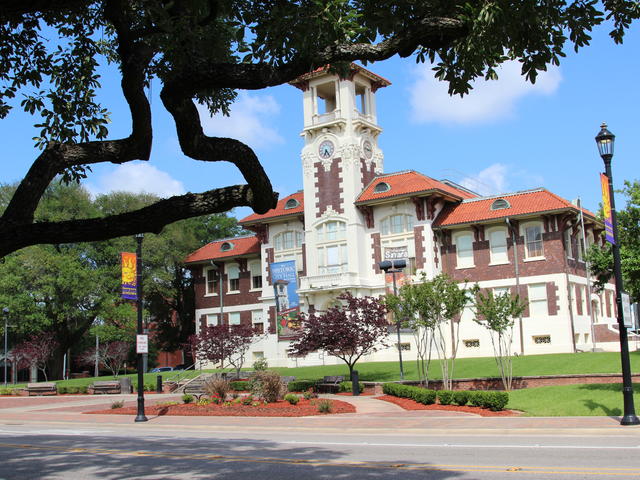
pixel 304 408
pixel 409 404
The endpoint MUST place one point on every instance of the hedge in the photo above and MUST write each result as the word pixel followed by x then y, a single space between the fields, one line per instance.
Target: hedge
pixel 492 400
pixel 348 387
pixel 301 385
pixel 240 385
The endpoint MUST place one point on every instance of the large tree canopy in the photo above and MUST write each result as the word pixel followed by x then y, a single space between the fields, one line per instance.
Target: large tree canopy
pixel 202 51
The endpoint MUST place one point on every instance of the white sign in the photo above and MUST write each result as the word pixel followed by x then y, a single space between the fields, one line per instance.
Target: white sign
pixel 626 310
pixel 142 343
pixel 396 253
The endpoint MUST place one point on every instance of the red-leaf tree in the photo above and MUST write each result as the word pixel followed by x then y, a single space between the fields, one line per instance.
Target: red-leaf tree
pixel 111 355
pixel 224 343
pixel 357 328
pixel 36 352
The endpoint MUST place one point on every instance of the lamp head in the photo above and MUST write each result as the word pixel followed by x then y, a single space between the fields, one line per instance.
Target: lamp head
pixel 385 265
pixel 605 140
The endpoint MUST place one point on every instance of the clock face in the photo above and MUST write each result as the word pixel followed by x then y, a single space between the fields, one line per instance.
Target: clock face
pixel 367 148
pixel 326 149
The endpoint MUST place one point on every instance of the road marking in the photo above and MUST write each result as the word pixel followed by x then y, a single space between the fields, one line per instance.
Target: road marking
pixel 607 471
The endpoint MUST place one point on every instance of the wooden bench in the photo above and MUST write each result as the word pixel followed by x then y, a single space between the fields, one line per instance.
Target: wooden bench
pixel 43 388
pixel 105 387
pixel 329 384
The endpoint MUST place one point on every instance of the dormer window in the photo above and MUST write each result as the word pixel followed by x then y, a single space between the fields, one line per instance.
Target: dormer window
pixel 291 203
pixel 382 187
pixel 226 246
pixel 500 204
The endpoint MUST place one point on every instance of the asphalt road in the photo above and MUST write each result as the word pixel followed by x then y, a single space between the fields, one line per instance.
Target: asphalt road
pixel 129 452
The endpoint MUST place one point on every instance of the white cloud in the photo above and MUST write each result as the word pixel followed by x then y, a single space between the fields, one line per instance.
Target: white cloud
pixel 488 101
pixel 490 181
pixel 250 121
pixel 137 177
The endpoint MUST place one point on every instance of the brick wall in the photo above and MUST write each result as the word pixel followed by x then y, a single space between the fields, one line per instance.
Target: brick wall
pixel 367 172
pixel 243 298
pixel 420 248
pixel 377 251
pixel 328 187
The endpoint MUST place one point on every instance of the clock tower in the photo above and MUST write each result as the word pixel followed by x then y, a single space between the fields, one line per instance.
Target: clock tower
pixel 340 157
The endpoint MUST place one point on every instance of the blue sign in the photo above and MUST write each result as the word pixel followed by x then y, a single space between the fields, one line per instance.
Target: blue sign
pixel 284 276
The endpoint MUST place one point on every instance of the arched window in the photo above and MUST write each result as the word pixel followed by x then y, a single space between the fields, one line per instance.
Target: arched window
pixel 332 247
pixel 395 224
pixel 291 203
pixel 381 187
pixel 500 204
pixel 288 240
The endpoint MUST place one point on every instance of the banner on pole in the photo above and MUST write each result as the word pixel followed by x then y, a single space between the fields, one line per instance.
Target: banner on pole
pixel 606 206
pixel 129 276
pixel 285 284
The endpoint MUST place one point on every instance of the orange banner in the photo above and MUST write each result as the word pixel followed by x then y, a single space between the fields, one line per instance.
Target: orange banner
pixel 129 275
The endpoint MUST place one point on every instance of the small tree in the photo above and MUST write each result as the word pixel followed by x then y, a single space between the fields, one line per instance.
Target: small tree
pixel 111 355
pixel 224 343
pixel 36 352
pixel 427 308
pixel 497 314
pixel 348 332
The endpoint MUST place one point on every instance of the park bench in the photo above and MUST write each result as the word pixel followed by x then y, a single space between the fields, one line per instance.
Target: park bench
pixel 105 387
pixel 329 384
pixel 42 388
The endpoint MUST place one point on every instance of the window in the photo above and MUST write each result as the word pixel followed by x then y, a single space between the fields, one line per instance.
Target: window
pixel 498 246
pixel 567 243
pixel 381 187
pixel 541 339
pixel 580 248
pixel 258 356
pixel 234 318
pixel 257 321
pixel 475 343
pixel 288 240
pixel 464 250
pixel 212 281
pixel 332 252
pixel 226 246
pixel 538 300
pixel 256 275
pixel 533 240
pixel 395 224
pixel 291 203
pixel 233 273
pixel 332 230
pixel 212 320
pixel 500 204
pixel 405 347
pixel 499 291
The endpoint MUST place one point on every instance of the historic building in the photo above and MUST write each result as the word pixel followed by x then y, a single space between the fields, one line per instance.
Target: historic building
pixel 349 216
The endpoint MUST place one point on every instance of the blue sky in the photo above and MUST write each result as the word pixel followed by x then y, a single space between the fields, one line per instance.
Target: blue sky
pixel 505 136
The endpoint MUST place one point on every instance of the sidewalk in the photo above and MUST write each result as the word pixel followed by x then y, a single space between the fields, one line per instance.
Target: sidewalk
pixel 372 416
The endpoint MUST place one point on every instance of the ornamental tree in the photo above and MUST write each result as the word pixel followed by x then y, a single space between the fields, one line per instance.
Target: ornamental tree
pixel 497 314
pixel 36 352
pixel 203 51
pixel 224 343
pixel 111 355
pixel 356 328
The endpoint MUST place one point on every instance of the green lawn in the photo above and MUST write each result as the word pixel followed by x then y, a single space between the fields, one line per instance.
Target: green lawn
pixel 572 400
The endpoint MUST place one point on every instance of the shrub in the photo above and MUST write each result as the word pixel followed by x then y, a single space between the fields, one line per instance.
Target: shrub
pixel 495 401
pixel 424 396
pixel 292 398
pixel 117 404
pixel 62 389
pixel 268 385
pixel 83 389
pixel 217 387
pixel 239 385
pixel 300 385
pixel 324 406
pixel 71 389
pixel 461 397
pixel 260 365
pixel 348 386
pixel 247 400
pixel 476 398
pixel 186 398
pixel 445 397
pixel 308 394
pixel 418 394
pixel 149 387
pixel 203 402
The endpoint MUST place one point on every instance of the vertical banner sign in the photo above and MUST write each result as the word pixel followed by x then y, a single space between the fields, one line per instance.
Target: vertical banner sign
pixel 606 206
pixel 285 284
pixel 129 276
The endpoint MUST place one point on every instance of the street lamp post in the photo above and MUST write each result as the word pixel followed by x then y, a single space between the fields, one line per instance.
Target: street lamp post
pixel 605 140
pixel 140 417
pixel 5 312
pixel 395 267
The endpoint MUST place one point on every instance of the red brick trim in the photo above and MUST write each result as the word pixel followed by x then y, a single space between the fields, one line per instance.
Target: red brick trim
pixel 419 247
pixel 377 251
pixel 552 298
pixel 328 187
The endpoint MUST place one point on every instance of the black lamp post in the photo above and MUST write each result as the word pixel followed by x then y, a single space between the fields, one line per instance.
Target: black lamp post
pixel 5 312
pixel 395 267
pixel 140 417
pixel 605 140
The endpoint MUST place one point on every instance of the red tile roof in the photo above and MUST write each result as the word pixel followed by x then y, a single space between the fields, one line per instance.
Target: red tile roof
pixel 377 79
pixel 212 251
pixel 522 203
pixel 405 183
pixel 279 211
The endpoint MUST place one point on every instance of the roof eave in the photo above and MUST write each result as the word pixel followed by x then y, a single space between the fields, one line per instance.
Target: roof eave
pixel 529 214
pixel 421 193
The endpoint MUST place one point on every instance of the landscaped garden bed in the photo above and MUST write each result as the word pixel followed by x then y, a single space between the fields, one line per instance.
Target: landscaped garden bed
pixel 281 408
pixel 409 404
